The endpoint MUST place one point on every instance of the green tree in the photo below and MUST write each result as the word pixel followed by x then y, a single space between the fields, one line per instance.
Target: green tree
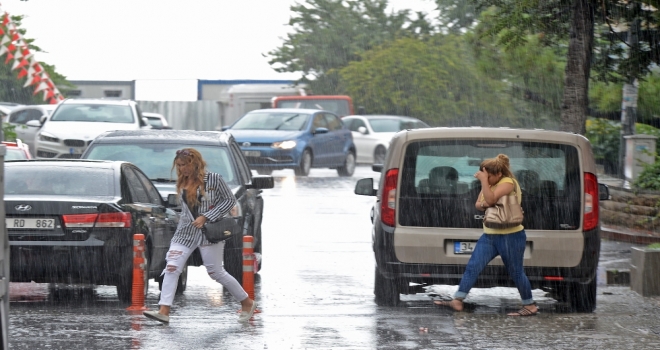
pixel 435 80
pixel 592 30
pixel 328 34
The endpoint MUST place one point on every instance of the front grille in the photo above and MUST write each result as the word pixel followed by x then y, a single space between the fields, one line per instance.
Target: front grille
pixel 75 143
pixel 70 156
pixel 44 154
pixel 268 160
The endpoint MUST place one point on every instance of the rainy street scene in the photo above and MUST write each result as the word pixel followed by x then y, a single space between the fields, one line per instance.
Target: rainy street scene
pixel 330 174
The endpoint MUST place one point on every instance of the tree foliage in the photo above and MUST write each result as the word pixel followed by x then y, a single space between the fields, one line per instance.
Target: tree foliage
pixel 434 80
pixel 328 34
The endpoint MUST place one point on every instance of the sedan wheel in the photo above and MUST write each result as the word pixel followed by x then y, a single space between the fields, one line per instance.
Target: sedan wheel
pixel 349 166
pixel 305 164
pixel 379 155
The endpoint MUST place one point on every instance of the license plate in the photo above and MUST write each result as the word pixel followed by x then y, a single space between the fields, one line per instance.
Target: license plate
pixel 464 247
pixel 35 224
pixel 252 153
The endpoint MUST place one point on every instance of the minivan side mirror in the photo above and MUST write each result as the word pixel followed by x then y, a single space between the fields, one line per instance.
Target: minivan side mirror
pixel 603 192
pixel 365 187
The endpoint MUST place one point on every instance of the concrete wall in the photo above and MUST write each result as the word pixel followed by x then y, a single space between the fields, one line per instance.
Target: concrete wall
pixel 186 115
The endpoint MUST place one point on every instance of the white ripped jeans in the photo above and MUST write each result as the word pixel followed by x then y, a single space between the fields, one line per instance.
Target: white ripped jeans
pixel 212 256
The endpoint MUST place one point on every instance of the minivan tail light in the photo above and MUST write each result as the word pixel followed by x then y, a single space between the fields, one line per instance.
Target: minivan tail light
pixel 104 220
pixel 590 202
pixel 388 199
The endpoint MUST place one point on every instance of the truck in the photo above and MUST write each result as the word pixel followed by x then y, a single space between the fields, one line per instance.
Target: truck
pixel 341 105
pixel 239 99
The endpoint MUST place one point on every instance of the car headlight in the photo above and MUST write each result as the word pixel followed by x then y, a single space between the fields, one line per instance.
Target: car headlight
pixel 284 144
pixel 48 137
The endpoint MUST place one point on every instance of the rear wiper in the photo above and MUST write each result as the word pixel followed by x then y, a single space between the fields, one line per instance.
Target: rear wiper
pixel 162 179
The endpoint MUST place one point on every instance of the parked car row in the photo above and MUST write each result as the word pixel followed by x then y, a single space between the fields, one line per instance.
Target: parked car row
pixel 68 220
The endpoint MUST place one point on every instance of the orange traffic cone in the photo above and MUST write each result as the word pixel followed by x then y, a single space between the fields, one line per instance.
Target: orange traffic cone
pixel 248 265
pixel 137 292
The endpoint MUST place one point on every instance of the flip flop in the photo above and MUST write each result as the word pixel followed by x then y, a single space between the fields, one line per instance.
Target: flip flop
pixel 524 312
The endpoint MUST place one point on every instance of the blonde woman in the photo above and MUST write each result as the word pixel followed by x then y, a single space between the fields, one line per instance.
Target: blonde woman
pixel 205 197
pixel 509 243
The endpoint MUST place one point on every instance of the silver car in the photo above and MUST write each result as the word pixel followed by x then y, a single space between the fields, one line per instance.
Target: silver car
pixel 76 122
pixel 19 118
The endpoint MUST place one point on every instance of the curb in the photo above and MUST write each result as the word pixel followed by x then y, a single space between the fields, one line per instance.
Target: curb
pixel 628 236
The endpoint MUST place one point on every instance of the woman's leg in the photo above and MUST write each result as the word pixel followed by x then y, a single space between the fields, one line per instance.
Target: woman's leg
pixel 177 256
pixel 213 256
pixel 483 253
pixel 512 250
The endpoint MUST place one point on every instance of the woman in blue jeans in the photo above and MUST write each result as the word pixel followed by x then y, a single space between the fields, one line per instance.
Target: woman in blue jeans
pixel 509 243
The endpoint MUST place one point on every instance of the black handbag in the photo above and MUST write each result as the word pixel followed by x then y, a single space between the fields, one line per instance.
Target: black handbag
pixel 223 229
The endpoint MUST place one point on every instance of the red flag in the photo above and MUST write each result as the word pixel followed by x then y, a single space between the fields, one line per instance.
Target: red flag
pixel 22 73
pixel 37 67
pixel 9 57
pixel 41 86
pixel 49 82
pixel 5 19
pixel 19 64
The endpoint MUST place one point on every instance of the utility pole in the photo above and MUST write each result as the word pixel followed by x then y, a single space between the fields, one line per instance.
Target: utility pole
pixel 629 103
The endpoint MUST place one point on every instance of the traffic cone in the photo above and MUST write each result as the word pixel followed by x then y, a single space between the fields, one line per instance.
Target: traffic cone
pixel 248 265
pixel 137 292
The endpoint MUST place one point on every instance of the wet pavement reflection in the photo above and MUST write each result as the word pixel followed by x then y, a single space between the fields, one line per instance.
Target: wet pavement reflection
pixel 315 291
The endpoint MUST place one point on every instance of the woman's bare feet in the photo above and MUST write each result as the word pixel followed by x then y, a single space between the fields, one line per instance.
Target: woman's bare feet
pixel 456 304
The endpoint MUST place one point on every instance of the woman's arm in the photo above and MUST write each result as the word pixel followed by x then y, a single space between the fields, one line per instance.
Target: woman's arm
pixel 478 203
pixel 225 199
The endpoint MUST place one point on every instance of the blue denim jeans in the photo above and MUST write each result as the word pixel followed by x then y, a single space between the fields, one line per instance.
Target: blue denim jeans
pixel 511 248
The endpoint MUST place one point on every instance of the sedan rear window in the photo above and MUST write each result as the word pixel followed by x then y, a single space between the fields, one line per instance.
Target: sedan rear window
pixel 272 121
pixel 93 113
pixel 394 125
pixel 59 181
pixel 156 159
pixel 438 176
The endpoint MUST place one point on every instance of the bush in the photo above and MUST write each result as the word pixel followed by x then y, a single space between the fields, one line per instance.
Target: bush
pixel 649 178
pixel 9 132
pixel 605 138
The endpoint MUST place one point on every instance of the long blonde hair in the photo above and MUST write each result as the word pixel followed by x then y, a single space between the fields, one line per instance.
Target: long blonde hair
pixel 499 164
pixel 193 182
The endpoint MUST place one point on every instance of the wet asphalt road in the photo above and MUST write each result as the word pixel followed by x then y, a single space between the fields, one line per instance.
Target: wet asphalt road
pixel 315 291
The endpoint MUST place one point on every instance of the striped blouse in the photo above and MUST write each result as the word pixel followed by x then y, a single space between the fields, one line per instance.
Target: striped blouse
pixel 217 202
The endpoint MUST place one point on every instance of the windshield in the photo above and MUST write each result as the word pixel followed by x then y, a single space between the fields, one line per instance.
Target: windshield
pixel 156 159
pixel 339 107
pixel 94 113
pixel 15 154
pixel 394 125
pixel 272 121
pixel 71 181
pixel 155 121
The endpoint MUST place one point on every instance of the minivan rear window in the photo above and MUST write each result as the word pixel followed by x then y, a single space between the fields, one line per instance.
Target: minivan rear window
pixel 438 188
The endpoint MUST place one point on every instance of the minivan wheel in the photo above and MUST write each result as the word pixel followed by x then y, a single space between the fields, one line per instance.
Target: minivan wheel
pixel 305 164
pixel 386 291
pixel 579 297
pixel 349 165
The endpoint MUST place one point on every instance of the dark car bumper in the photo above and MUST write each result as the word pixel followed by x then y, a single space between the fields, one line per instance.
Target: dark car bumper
pixel 390 267
pixel 91 261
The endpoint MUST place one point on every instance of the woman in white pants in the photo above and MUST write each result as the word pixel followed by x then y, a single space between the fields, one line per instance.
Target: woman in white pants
pixel 204 196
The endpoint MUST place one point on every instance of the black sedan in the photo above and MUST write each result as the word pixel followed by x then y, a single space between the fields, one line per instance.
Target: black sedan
pixel 73 221
pixel 154 150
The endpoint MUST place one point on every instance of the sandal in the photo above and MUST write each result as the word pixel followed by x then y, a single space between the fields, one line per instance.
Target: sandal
pixel 524 312
pixel 451 303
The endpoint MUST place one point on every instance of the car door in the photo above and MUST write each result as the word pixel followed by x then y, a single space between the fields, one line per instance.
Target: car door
pixel 150 215
pixel 364 143
pixel 24 132
pixel 321 143
pixel 340 137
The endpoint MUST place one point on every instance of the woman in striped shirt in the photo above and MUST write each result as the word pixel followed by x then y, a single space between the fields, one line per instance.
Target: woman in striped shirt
pixel 205 197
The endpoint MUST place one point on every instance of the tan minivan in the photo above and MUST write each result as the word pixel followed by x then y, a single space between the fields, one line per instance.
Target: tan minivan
pixel 426 224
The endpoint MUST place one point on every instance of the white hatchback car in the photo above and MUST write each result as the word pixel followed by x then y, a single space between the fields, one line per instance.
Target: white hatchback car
pixel 372 134
pixel 68 131
pixel 19 118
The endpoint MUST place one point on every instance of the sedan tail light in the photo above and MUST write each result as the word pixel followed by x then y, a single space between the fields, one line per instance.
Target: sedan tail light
pixel 104 220
pixel 388 200
pixel 590 220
